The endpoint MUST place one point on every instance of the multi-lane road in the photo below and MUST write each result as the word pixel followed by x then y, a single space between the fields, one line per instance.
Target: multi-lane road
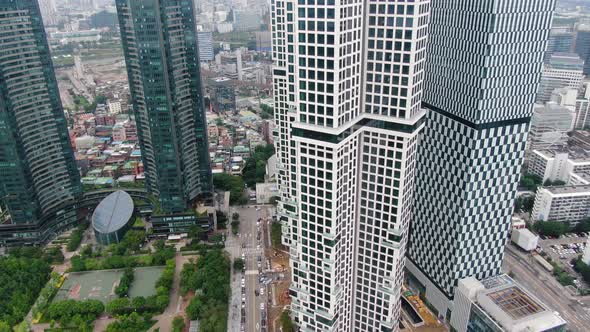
pixel 543 285
pixel 246 289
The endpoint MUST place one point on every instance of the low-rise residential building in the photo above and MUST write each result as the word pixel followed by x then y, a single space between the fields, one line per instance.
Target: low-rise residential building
pixel 562 203
pixel 500 304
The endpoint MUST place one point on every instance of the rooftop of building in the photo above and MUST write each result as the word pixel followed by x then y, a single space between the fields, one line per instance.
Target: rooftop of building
pixel 575 153
pixel 113 212
pixel 560 190
pixel 511 306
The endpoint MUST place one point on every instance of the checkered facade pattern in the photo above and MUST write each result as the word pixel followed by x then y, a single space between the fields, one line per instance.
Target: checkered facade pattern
pixel 484 61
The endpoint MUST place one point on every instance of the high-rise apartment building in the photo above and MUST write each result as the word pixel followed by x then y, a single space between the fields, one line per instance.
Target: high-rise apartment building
pixel 38 173
pixel 160 45
pixel 484 61
pixel 348 84
pixel 205 39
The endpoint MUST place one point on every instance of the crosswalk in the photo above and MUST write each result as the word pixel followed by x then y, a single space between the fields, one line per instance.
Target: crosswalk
pixel 252 251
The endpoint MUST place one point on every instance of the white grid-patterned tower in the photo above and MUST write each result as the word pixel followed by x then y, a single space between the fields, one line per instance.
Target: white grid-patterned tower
pixel 484 63
pixel 347 82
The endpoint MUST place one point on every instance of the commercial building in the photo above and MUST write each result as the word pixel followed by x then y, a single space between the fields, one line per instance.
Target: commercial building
pixel 38 173
pixel 113 217
pixel 347 82
pixel 562 203
pixel 500 304
pixel 563 70
pixel 583 45
pixel 246 20
pixel 167 98
pixel 550 124
pixel 558 164
pixel 561 40
pixel 205 39
pixel 480 100
pixel 263 41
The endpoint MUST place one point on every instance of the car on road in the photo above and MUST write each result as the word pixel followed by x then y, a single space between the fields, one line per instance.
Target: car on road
pixel 262 291
pixel 262 306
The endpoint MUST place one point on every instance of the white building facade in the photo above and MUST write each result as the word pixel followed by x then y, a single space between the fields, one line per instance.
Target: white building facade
pixel 562 203
pixel 480 99
pixel 563 70
pixel 347 82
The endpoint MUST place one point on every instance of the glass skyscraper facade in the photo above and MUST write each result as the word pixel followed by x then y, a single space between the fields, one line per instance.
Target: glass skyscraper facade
pixel 484 61
pixel 160 46
pixel 38 173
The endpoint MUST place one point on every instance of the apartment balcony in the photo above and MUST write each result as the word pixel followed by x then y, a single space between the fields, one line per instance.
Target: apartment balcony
pixel 392 245
pixel 329 236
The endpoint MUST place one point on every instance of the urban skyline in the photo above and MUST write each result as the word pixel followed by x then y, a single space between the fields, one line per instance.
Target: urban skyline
pixel 296 165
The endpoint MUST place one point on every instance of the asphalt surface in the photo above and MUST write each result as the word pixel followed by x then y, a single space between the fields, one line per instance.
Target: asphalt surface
pixel 248 244
pixel 544 286
pixel 562 255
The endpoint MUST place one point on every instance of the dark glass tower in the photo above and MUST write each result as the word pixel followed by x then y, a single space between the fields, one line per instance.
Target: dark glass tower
pixel 38 174
pixel 160 46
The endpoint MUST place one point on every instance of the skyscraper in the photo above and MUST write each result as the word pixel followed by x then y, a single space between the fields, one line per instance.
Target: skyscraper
pixel 583 45
pixel 348 83
pixel 484 60
pixel 38 174
pixel 160 45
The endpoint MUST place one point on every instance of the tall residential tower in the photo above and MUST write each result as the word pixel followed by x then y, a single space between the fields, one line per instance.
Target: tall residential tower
pixel 347 81
pixel 160 45
pixel 38 174
pixel 483 66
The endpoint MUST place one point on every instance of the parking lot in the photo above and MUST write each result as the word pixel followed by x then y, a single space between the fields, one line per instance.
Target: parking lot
pixel 564 249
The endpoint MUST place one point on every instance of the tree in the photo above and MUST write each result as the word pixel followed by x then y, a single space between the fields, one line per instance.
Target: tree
pixel 551 228
pixel 530 181
pixel 524 203
pixel 255 168
pixel 286 322
pixel 274 200
pixel 239 264
pixel 4 327
pixel 232 183
pixel 583 226
pixel 178 324
pixel 117 306
pixel 21 281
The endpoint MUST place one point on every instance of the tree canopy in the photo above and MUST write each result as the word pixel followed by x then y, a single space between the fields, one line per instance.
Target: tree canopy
pixel 255 167
pixel 232 183
pixel 551 228
pixel 21 280
pixel 210 275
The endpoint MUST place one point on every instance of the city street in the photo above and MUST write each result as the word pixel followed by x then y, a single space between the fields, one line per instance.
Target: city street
pixel 248 245
pixel 544 286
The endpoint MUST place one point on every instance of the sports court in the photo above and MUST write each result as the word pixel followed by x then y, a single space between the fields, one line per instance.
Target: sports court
pixel 100 285
pixel 90 285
